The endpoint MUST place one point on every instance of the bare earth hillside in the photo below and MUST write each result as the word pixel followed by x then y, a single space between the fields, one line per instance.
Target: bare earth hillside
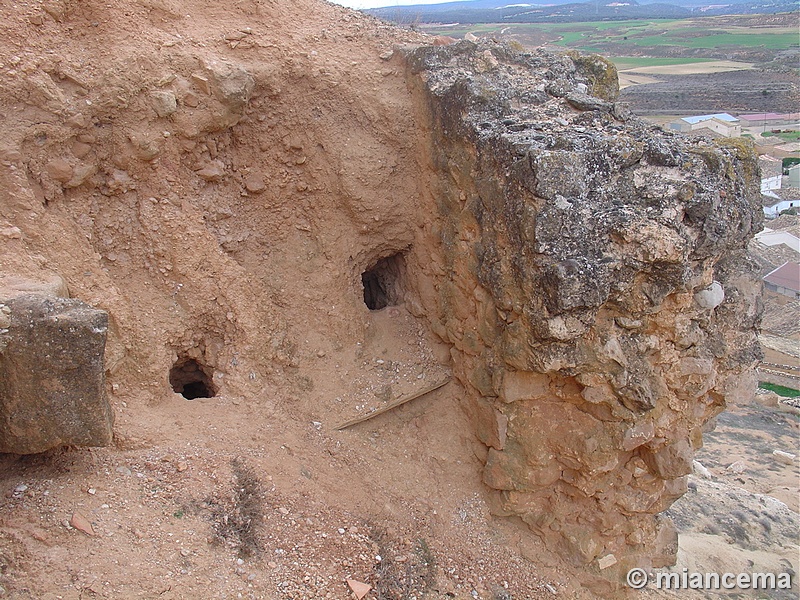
pixel 193 227
pixel 442 320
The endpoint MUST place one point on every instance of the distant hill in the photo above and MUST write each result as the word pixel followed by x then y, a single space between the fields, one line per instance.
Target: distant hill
pixel 555 11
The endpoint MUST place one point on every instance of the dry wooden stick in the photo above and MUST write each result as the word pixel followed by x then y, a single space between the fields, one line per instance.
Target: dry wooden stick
pixel 394 404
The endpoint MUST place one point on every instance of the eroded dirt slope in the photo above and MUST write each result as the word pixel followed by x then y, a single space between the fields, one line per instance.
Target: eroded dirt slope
pixel 218 177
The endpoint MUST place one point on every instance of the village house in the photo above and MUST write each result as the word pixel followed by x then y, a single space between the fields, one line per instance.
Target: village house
pixel 793 177
pixel 784 280
pixel 771 173
pixel 775 202
pixel 769 121
pixel 770 237
pixel 786 196
pixel 720 123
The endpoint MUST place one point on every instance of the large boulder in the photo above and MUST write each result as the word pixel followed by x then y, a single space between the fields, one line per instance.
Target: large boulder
pixel 52 383
pixel 594 283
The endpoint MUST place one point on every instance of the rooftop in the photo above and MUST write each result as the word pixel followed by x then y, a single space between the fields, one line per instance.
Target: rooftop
pixel 773 238
pixel 720 116
pixel 784 193
pixel 705 131
pixel 786 276
pixel 770 167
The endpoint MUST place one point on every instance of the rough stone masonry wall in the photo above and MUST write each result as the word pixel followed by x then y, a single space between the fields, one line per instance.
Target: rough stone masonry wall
pixel 594 284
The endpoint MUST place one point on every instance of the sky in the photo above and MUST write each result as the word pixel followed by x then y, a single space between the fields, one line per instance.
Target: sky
pixel 377 3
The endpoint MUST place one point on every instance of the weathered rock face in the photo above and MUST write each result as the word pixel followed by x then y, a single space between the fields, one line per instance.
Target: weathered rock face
pixel 52 384
pixel 593 281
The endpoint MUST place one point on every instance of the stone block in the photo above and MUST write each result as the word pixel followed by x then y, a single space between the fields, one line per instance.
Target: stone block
pixel 52 382
pixel 524 385
pixel 51 285
pixel 671 461
pixel 490 424
pixel 164 103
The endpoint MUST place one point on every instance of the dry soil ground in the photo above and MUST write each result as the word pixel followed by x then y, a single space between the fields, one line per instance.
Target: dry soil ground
pixel 228 497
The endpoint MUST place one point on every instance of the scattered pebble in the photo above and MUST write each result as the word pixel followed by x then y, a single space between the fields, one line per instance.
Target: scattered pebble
pixel 81 523
pixel 784 457
pixel 699 470
pixel 737 468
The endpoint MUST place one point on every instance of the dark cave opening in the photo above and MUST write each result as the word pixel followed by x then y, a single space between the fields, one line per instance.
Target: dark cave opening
pixel 191 379
pixel 383 282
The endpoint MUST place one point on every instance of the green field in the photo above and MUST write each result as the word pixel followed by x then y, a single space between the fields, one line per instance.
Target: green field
pixel 613 37
pixel 780 390
pixel 631 62
pixel 789 136
pixel 690 38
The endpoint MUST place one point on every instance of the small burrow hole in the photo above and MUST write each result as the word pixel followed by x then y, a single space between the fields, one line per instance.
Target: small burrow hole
pixel 383 282
pixel 191 379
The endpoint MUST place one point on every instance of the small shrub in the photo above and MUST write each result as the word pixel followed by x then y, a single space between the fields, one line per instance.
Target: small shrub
pixel 236 520
pixel 414 578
